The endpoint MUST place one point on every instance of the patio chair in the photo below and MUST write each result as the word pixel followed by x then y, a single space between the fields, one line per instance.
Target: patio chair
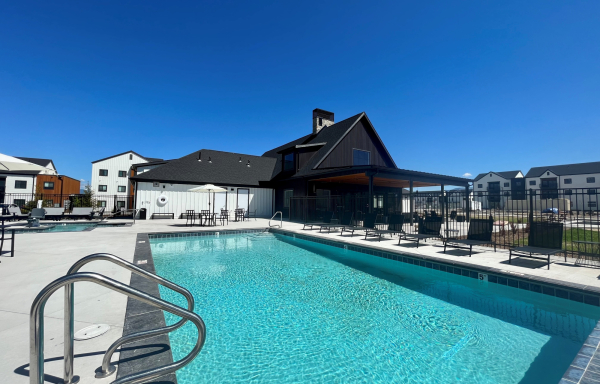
pixel 35 216
pixel 346 221
pixel 17 214
pixel 429 228
pixel 224 216
pixel 368 224
pixel 239 214
pixel 81 213
pixel 395 226
pixel 327 217
pixel 100 213
pixel 190 217
pixel 480 233
pixel 55 214
pixel 545 239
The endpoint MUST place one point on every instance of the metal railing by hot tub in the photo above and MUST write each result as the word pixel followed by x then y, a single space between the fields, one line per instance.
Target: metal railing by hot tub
pixel 37 321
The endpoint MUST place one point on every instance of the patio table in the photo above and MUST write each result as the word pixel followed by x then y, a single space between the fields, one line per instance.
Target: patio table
pixel 207 219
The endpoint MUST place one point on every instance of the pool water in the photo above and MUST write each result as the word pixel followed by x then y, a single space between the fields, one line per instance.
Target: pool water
pixel 65 227
pixel 283 310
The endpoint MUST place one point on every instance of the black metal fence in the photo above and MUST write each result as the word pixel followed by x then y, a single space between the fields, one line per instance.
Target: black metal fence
pixel 27 201
pixel 576 209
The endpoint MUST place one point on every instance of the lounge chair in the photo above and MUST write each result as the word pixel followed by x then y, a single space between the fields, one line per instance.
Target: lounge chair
pixel 55 214
pixel 545 239
pixel 346 221
pixel 17 214
pixel 395 226
pixel 327 217
pixel 81 213
pixel 429 228
pixel 368 224
pixel 480 233
pixel 35 216
pixel 100 213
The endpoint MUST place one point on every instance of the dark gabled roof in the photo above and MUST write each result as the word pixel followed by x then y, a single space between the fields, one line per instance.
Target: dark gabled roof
pixel 506 174
pixel 224 168
pixel 40 162
pixel 155 162
pixel 135 153
pixel 566 169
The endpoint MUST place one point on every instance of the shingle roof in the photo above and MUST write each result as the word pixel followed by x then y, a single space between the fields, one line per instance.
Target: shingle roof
pixel 40 162
pixel 224 168
pixel 506 174
pixel 566 169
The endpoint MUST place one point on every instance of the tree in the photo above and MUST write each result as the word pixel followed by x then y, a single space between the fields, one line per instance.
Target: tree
pixel 87 199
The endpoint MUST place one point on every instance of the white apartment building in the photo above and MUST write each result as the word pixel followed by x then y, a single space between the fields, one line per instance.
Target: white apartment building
pixel 493 189
pixel 110 178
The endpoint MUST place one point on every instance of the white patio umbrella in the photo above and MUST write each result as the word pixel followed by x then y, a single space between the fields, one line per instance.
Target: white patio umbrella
pixel 9 163
pixel 208 188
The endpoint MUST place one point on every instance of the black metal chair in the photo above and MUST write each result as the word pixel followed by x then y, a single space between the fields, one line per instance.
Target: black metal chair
pixel 224 217
pixel 4 237
pixel 545 239
pixel 429 228
pixel 368 224
pixel 346 221
pixel 239 214
pixel 190 216
pixel 395 226
pixel 480 233
pixel 327 217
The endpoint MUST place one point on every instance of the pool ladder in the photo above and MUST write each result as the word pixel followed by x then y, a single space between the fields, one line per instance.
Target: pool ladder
pixel 280 219
pixel 36 354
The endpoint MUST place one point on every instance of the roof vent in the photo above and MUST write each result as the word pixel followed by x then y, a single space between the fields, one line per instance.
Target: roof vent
pixel 209 160
pixel 248 163
pixel 321 119
pixel 200 156
pixel 240 159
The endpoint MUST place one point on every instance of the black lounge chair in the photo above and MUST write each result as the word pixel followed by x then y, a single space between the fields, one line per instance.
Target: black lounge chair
pixel 55 214
pixel 480 233
pixel 327 217
pixel 395 226
pixel 368 224
pixel 346 221
pixel 429 228
pixel 545 239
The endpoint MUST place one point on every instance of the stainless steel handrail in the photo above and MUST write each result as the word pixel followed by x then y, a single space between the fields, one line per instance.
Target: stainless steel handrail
pixel 281 219
pixel 36 328
pixel 69 315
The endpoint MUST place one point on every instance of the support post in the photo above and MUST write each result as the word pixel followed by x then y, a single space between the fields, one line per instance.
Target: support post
pixel 370 193
pixel 467 204
pixel 444 209
pixel 412 203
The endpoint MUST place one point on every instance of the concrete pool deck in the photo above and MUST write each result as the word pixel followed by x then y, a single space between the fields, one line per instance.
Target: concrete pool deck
pixel 43 257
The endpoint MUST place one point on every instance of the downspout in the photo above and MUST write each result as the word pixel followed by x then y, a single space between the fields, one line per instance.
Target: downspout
pixel 62 182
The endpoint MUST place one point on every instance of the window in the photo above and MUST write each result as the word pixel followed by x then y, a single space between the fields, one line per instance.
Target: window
pixel 288 162
pixel 48 184
pixel 121 188
pixel 532 182
pixel 287 196
pixel 479 185
pixel 568 181
pixel 568 192
pixel 120 204
pixel 506 193
pixel 101 203
pixel 360 157
pixel 507 185
pixel 590 180
pixel 102 188
pixel 592 204
pixel 130 156
pixel 591 191
pixel 19 202
pixel 378 201
pixel 122 173
pixel 320 121
pixel 480 194
pixel 20 184
pixel 104 172
pixel 547 173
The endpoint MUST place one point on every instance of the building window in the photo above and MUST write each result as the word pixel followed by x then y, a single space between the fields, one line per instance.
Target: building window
pixel 591 191
pixel 121 188
pixel 102 188
pixel 480 194
pixel 568 181
pixel 104 172
pixel 507 185
pixel 19 202
pixel 479 185
pixel 48 184
pixel 568 192
pixel 547 173
pixel 101 203
pixel 532 182
pixel 360 157
pixel 320 121
pixel 130 156
pixel 591 180
pixel 592 204
pixel 506 193
pixel 288 162
pixel 287 197
pixel 20 184
pixel 120 204
pixel 122 173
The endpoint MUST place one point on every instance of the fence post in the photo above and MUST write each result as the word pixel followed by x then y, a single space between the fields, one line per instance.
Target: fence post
pixel 468 204
pixel 530 207
pixel 115 203
pixel 411 202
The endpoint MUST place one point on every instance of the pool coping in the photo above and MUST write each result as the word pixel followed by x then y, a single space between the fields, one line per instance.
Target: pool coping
pixel 585 367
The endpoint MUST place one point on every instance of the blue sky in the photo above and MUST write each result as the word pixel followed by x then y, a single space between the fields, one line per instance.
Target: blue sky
pixel 452 87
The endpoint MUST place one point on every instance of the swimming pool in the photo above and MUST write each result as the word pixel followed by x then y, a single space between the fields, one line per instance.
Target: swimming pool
pixel 66 227
pixel 283 310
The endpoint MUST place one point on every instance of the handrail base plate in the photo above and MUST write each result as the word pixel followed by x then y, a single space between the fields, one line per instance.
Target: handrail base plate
pixel 100 374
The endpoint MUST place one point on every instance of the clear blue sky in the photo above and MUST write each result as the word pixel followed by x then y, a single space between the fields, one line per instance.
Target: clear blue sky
pixel 452 87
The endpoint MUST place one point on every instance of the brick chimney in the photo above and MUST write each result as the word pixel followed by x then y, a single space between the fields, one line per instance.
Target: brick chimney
pixel 321 119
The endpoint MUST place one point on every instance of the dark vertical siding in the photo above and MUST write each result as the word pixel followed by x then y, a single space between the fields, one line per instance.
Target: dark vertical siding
pixel 305 154
pixel 360 138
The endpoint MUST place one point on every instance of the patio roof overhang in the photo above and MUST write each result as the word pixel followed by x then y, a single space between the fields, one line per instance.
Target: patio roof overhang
pixel 388 177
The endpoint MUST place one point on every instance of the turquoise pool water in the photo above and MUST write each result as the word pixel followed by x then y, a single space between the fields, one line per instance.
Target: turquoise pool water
pixel 283 310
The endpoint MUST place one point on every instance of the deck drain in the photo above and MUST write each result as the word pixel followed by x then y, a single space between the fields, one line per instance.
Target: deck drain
pixel 91 331
pixel 142 262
